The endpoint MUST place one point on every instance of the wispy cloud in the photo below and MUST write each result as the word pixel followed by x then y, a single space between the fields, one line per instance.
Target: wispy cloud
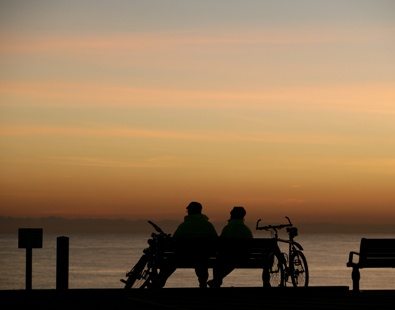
pixel 372 98
pixel 163 41
pixel 380 165
pixel 182 135
pixel 152 162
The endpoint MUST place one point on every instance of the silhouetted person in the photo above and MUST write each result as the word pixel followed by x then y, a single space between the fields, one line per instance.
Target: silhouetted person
pixel 193 239
pixel 232 246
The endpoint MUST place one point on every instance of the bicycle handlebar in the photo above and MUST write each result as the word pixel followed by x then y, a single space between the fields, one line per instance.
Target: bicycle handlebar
pixel 273 227
pixel 157 228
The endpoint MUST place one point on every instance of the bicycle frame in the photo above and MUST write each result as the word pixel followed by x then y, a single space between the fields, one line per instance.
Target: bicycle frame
pixel 294 261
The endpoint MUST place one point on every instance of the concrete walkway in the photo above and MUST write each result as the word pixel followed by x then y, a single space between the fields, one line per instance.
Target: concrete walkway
pixel 251 298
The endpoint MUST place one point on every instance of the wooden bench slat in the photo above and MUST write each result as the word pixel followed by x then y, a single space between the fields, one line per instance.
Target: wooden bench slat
pixel 377 243
pixel 382 255
pixel 377 263
pixel 376 252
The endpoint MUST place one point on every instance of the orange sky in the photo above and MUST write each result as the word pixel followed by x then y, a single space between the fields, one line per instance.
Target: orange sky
pixel 133 109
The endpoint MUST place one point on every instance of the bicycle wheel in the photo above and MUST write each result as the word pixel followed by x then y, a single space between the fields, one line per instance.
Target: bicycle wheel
pixel 140 276
pixel 276 272
pixel 299 269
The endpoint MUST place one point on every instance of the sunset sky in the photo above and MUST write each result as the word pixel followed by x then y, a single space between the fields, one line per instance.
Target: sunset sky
pixel 131 109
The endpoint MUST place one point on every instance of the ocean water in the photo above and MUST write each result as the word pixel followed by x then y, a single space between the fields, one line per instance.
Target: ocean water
pixel 101 260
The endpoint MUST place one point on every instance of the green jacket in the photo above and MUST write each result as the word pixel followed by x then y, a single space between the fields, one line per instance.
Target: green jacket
pixel 195 226
pixel 236 229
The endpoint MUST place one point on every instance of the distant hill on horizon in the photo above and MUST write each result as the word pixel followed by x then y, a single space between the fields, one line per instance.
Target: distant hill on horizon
pixel 60 225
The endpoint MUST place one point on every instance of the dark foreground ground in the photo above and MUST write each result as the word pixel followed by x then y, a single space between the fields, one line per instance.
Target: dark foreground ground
pixel 193 298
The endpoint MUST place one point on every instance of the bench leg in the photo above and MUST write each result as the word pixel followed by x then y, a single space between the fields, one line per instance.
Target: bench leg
pixel 266 277
pixel 356 276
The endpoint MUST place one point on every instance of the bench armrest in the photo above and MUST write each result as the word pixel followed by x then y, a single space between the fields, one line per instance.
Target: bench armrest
pixel 350 262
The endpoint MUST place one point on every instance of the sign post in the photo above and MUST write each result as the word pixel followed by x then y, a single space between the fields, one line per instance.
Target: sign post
pixel 29 238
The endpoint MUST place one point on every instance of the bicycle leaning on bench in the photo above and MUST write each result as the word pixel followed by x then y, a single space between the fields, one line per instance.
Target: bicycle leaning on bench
pixel 145 270
pixel 294 267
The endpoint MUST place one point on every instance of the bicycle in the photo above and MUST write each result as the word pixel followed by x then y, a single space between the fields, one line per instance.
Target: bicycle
pixel 293 266
pixel 145 271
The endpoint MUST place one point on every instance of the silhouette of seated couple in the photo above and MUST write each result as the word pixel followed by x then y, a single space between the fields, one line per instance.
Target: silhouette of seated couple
pixel 197 233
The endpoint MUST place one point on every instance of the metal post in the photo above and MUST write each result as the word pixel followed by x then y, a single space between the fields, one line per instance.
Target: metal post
pixel 356 276
pixel 62 263
pixel 29 262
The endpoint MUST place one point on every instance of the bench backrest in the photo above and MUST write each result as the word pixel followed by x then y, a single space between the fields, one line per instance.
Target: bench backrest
pixel 378 253
pixel 255 245
pixel 257 250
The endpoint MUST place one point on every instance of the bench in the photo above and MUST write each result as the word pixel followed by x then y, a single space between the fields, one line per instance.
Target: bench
pixel 258 253
pixel 373 253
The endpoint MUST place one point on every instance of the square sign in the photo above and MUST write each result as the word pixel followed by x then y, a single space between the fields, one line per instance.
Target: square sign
pixel 29 238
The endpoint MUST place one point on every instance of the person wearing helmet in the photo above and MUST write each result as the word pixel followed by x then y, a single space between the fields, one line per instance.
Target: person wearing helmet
pixel 233 249
pixel 193 239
